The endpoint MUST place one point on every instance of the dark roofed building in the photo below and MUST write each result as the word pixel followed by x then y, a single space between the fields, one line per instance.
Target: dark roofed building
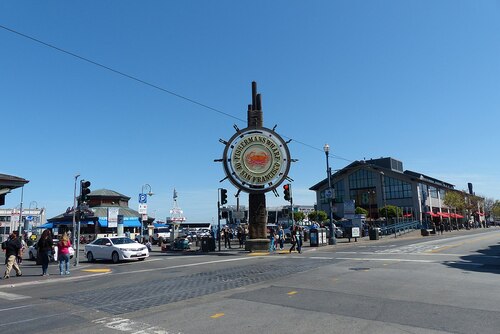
pixel 372 184
pixel 9 183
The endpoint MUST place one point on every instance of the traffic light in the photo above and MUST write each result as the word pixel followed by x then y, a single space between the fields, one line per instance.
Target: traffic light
pixel 223 196
pixel 84 190
pixel 286 190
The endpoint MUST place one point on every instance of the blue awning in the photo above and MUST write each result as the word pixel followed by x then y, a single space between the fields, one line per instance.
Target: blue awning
pixel 127 222
pixel 46 225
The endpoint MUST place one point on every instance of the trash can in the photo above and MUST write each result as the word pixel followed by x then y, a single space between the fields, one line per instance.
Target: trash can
pixel 373 233
pixel 204 244
pixel 314 237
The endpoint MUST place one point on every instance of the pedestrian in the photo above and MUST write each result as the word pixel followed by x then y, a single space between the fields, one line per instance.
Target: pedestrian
pixel 227 237
pixel 293 240
pixel 45 248
pixel 441 228
pixel 63 254
pixel 19 259
pixel 240 236
pixel 281 236
pixel 299 238
pixel 271 242
pixel 12 252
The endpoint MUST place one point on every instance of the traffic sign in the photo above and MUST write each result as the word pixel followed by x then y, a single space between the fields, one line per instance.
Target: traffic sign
pixel 143 198
pixel 143 209
pixel 329 193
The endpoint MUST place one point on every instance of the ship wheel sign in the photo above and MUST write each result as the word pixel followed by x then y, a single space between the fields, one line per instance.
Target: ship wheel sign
pixel 256 160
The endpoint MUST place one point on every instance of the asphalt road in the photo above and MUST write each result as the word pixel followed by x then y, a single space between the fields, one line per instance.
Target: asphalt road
pixel 412 284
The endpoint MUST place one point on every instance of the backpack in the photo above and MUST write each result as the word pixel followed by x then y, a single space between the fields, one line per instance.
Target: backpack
pixel 4 244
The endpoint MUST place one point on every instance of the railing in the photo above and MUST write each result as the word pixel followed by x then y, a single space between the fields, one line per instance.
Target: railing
pixel 401 228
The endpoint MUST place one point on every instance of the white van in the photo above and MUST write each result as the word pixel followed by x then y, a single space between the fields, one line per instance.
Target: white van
pixel 160 232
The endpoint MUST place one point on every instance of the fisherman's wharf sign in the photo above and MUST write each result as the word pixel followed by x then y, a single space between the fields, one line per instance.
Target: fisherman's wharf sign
pixel 256 160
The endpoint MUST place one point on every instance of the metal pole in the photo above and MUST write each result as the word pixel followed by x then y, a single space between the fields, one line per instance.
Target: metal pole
pixel 74 214
pixel 332 240
pixel 20 212
pixel 218 217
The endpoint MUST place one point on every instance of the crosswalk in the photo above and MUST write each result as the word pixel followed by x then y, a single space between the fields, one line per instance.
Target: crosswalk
pixel 12 296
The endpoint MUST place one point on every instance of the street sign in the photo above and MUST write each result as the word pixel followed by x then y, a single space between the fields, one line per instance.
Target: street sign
pixel 143 209
pixel 329 193
pixel 355 232
pixel 29 217
pixel 143 198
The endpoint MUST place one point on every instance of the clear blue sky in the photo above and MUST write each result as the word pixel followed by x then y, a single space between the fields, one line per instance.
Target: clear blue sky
pixel 415 80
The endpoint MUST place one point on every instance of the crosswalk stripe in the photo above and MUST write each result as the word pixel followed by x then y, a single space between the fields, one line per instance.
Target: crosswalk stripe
pixel 12 296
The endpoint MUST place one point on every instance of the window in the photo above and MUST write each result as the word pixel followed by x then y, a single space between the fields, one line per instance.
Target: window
pixel 433 192
pixel 395 189
pixel 338 189
pixel 361 179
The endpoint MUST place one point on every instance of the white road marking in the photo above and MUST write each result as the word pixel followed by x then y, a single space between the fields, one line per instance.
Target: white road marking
pixel 127 325
pixel 12 296
pixel 394 260
pixel 57 279
pixel 15 308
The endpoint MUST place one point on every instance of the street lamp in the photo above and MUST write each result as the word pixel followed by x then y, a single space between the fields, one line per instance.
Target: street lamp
pixel 332 240
pixel 74 216
pixel 150 193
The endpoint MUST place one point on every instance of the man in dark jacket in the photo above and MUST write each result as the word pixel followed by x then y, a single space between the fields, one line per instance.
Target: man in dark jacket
pixel 12 251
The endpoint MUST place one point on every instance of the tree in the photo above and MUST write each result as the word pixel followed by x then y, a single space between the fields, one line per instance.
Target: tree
pixel 392 211
pixel 454 199
pixel 299 216
pixel 496 209
pixel 317 216
pixel 360 211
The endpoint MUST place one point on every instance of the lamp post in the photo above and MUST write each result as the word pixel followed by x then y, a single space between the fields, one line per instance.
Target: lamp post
pixel 21 212
pixel 332 240
pixel 74 215
pixel 150 193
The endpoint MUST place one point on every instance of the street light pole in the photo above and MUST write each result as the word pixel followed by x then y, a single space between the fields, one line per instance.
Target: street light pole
pixel 150 193
pixel 332 240
pixel 21 212
pixel 74 214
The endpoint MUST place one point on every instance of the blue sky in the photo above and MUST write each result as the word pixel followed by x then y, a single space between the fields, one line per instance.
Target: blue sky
pixel 414 80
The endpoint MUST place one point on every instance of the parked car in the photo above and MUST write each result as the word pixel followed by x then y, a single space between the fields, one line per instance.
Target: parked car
pixel 338 232
pixel 115 249
pixel 33 251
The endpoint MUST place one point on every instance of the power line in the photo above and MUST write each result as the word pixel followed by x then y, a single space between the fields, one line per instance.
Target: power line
pixel 148 83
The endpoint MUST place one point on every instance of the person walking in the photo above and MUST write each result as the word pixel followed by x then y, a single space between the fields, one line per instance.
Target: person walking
pixel 281 236
pixel 45 247
pixel 293 240
pixel 63 254
pixel 12 252
pixel 299 238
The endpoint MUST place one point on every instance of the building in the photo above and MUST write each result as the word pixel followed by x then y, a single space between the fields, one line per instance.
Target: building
pixel 9 218
pixel 374 183
pixel 95 220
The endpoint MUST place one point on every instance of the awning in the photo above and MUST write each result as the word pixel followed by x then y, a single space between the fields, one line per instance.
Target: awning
pixel 408 215
pixel 444 214
pixel 46 225
pixel 458 216
pixel 127 222
pixel 432 214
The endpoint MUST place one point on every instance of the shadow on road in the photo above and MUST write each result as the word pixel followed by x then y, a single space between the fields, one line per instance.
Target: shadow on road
pixel 488 261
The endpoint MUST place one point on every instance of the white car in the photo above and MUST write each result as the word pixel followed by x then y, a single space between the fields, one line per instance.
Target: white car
pixel 33 251
pixel 115 249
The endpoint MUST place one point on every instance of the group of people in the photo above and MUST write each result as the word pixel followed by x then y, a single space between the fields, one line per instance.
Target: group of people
pixel 13 248
pixel 278 237
pixel 227 234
